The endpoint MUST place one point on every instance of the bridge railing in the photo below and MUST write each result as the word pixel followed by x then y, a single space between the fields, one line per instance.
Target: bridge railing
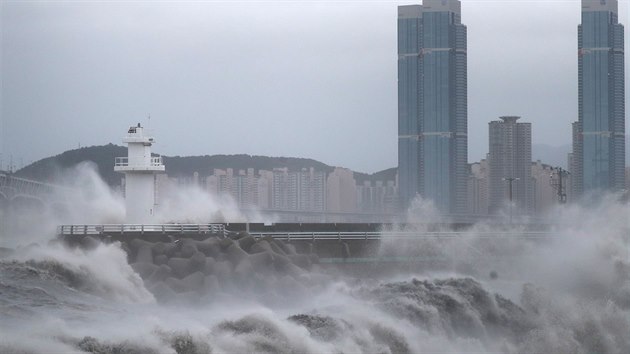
pixel 104 229
pixel 344 236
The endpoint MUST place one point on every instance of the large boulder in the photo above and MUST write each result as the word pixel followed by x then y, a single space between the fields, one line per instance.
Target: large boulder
pixel 226 243
pixel 167 249
pixel 210 265
pixel 197 262
pixel 302 261
pixel 160 259
pixel 262 261
pixel 136 243
pixel 189 248
pixel 244 269
pixel 210 247
pixel 162 292
pixel 288 248
pixel 246 242
pixel 176 284
pixel 144 269
pixel 243 274
pixel 235 254
pixel 144 254
pixel 89 242
pixel 281 262
pixel 194 281
pixel 160 274
pixel 260 246
pixel 294 271
pixel 223 270
pixel 180 266
pixel 277 248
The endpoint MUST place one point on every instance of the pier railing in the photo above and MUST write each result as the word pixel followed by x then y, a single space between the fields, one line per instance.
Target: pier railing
pixel 384 235
pixel 182 229
pixel 104 229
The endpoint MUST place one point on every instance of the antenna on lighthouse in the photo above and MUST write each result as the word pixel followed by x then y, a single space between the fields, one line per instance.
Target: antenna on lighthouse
pixel 147 123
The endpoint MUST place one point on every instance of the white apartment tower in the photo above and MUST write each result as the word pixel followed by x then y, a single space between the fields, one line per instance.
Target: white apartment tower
pixel 509 163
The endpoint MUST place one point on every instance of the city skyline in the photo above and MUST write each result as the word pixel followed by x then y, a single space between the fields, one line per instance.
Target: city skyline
pixel 75 82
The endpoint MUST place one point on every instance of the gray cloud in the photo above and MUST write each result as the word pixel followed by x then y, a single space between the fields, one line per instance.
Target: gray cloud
pixel 309 79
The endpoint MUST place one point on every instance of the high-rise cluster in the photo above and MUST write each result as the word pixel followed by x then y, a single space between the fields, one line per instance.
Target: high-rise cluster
pixel 432 118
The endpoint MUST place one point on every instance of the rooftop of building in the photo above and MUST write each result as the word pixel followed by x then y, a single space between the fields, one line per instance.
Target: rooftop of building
pixel 599 5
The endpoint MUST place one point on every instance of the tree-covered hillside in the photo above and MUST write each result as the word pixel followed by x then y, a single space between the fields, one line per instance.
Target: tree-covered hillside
pixel 52 169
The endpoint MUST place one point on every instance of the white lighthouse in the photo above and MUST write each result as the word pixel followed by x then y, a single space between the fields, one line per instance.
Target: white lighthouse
pixel 140 169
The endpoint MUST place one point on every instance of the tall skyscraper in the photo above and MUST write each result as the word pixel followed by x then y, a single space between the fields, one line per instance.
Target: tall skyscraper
pixel 509 162
pixel 599 147
pixel 432 105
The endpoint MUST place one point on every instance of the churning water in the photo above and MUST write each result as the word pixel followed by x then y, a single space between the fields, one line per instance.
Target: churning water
pixel 569 293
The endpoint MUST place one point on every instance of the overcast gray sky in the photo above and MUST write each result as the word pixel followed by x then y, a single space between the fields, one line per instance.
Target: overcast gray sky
pixel 310 79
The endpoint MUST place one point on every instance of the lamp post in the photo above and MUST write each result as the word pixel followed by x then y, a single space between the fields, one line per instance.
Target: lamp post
pixel 510 180
pixel 559 185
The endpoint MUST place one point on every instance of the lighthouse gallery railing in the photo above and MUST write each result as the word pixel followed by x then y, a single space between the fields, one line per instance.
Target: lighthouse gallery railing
pixel 156 161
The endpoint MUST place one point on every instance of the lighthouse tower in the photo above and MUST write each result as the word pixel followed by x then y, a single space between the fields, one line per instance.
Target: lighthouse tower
pixel 140 169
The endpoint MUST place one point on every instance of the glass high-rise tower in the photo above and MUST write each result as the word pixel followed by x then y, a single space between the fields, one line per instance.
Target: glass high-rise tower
pixel 432 105
pixel 599 146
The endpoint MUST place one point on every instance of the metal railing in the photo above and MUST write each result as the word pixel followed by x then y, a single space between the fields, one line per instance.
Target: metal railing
pixel 170 229
pixel 156 161
pixel 181 229
pixel 344 236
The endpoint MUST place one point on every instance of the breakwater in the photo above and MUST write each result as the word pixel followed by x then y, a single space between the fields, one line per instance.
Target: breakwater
pixel 195 265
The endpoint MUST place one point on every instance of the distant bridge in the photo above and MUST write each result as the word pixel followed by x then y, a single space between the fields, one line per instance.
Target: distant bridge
pixel 19 195
pixel 12 187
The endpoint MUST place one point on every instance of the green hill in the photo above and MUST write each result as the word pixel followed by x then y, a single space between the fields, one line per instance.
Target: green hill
pixel 51 169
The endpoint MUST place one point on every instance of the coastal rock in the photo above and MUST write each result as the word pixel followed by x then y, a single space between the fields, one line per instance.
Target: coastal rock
pixel 162 292
pixel 194 281
pixel 144 269
pixel 160 274
pixel 180 266
pixel 197 262
pixel 144 254
pixel 235 254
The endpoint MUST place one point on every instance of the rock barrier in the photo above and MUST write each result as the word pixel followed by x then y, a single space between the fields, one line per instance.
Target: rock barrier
pixel 187 268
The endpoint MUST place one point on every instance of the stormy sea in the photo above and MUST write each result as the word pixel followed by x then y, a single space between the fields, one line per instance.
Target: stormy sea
pixel 568 292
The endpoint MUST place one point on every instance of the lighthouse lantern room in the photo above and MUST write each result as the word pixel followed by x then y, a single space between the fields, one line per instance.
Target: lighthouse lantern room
pixel 140 169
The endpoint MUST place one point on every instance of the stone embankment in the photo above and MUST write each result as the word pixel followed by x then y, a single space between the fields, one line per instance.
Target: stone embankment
pixel 189 269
